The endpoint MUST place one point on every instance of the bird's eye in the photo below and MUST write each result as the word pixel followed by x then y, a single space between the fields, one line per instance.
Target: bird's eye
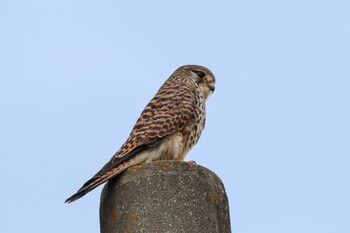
pixel 200 73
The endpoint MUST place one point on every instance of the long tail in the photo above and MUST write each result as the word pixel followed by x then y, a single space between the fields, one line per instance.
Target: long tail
pixel 115 166
pixel 95 181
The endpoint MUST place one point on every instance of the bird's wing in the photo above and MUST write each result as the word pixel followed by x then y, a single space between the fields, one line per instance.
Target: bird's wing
pixel 168 112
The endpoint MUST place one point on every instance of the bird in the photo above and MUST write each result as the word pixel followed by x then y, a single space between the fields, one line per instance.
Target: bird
pixel 168 127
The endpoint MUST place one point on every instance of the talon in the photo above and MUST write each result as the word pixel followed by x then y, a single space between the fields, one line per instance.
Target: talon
pixel 191 162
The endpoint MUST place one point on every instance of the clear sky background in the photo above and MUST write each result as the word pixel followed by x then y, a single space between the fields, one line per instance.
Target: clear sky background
pixel 75 75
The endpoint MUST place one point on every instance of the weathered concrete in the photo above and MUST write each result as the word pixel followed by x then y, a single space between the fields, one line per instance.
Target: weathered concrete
pixel 165 196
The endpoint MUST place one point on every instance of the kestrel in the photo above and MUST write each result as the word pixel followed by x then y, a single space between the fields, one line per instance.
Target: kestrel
pixel 169 126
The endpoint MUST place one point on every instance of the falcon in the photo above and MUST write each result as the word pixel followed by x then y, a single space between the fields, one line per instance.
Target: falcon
pixel 169 126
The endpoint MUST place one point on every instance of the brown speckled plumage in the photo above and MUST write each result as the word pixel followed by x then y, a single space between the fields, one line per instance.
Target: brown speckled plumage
pixel 169 126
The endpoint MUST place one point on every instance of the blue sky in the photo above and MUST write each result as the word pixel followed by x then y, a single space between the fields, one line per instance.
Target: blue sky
pixel 75 75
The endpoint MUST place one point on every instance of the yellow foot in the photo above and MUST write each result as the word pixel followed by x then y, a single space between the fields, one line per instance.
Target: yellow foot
pixel 191 162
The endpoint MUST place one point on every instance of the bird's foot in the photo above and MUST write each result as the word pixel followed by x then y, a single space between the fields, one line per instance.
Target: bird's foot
pixel 191 162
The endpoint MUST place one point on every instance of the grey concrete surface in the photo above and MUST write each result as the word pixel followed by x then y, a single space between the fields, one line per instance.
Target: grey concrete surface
pixel 165 196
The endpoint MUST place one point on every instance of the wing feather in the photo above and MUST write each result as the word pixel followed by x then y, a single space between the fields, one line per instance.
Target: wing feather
pixel 169 111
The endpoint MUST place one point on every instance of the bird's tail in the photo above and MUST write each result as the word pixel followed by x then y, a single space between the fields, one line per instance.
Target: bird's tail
pixel 95 181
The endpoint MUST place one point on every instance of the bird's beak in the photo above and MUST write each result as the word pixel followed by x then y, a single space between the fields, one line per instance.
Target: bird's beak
pixel 212 88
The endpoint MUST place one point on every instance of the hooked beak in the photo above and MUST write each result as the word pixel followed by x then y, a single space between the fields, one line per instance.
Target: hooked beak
pixel 212 88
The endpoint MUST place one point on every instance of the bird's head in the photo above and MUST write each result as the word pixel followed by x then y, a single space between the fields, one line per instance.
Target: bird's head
pixel 202 77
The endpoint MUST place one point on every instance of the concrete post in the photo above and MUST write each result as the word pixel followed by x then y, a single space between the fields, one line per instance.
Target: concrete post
pixel 165 196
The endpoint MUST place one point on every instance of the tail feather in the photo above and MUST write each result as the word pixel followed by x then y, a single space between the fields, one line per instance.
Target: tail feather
pixel 115 166
pixel 94 182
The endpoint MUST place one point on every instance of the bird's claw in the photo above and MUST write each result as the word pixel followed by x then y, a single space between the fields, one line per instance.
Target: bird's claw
pixel 191 162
